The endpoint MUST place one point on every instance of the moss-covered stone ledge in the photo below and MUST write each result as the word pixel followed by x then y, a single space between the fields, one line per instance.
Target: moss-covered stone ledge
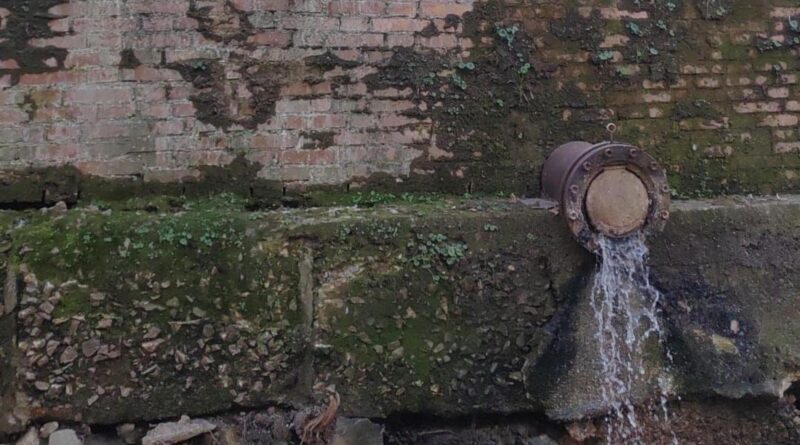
pixel 446 307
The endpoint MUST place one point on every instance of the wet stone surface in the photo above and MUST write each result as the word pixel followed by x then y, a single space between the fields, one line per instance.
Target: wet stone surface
pixel 446 308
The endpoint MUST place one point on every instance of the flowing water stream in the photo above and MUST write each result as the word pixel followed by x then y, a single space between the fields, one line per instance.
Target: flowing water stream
pixel 626 307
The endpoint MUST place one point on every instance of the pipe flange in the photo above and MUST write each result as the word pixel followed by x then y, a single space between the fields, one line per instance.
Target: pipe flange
pixel 611 189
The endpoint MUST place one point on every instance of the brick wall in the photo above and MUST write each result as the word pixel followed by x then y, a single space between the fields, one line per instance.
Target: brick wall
pixel 412 94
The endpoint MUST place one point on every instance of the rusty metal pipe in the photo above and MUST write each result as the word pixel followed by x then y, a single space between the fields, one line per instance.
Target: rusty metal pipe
pixel 611 189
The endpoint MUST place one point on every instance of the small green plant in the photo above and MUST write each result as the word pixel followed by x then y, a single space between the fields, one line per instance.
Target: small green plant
pixel 507 33
pixel 764 45
pixel 429 79
pixel 490 228
pixel 469 66
pixel 602 56
pixel 344 232
pixel 634 29
pixel 372 198
pixel 458 81
pixel 435 246
pixel 625 71
pixel 524 69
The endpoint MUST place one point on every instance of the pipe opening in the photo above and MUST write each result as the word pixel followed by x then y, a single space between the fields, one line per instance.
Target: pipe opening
pixel 611 189
pixel 617 202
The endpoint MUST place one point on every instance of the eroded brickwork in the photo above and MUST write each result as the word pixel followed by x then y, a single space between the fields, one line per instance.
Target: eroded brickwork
pixel 418 94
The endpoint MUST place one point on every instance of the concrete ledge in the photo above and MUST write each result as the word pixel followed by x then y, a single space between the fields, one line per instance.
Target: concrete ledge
pixel 448 308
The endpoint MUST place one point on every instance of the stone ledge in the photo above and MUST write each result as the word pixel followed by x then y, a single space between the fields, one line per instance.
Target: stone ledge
pixel 446 308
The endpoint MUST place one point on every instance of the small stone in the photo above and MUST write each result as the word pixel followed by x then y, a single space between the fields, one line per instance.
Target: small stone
pixel 152 333
pixel 197 312
pixel 542 440
pixel 47 289
pixel 735 326
pixel 724 345
pixel 174 432
pixel 51 347
pixel 95 298
pixel 150 307
pixel 173 302
pixel 92 400
pixel 124 391
pixel 41 386
pixel 68 356
pixel 105 323
pixel 30 438
pixel 398 353
pixel 59 208
pixel 229 436
pixel 47 429
pixel 129 433
pixel 90 347
pixel 47 307
pixel 208 331
pixel 151 346
pixel 357 432
pixel 64 437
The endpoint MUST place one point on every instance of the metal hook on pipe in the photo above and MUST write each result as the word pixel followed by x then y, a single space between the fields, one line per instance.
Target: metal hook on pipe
pixel 611 129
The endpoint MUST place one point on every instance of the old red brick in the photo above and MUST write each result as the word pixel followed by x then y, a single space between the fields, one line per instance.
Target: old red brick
pixel 441 41
pixel 62 132
pixel 58 77
pixel 158 111
pixel 442 9
pixel 398 24
pixel 12 115
pixel 94 95
pixel 355 40
pixel 323 121
pixel 81 59
pixel 779 120
pixel 183 110
pixel 280 39
pixel 9 64
pixel 402 9
pixel 303 106
pixel 757 107
pixel 116 111
pixel 289 157
pixel 272 5
pixel 321 157
pixel 168 127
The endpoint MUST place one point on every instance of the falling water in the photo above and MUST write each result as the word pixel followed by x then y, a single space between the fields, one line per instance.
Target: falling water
pixel 625 305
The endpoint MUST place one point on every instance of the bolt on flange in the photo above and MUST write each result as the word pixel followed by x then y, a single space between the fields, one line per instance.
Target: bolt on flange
pixel 611 189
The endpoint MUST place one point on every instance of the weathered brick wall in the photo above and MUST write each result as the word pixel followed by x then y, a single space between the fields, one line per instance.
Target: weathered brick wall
pixel 415 94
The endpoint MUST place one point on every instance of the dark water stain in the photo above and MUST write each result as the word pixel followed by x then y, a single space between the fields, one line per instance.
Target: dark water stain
pixel 30 20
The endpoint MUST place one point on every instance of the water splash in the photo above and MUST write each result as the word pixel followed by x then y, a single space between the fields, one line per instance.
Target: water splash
pixel 626 307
